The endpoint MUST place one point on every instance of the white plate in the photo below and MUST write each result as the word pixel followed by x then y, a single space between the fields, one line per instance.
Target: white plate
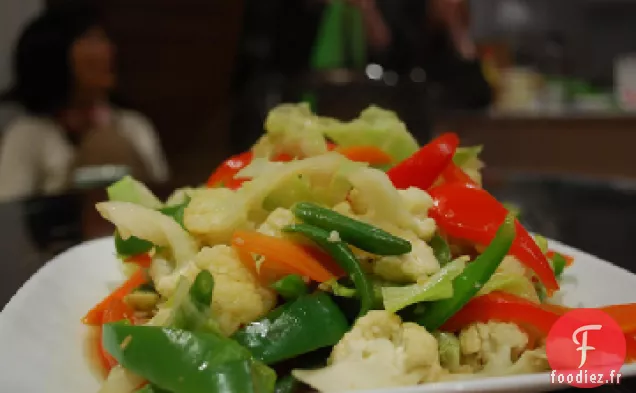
pixel 42 340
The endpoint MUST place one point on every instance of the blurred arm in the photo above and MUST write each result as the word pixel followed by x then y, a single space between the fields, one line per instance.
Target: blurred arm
pixel 377 32
pixel 452 61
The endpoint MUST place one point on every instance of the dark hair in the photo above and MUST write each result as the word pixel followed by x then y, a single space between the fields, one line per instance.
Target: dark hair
pixel 43 77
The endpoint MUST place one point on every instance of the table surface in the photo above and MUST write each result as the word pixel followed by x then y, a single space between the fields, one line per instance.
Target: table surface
pixel 598 217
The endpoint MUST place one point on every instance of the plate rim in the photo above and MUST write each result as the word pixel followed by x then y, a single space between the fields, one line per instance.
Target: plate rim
pixel 482 384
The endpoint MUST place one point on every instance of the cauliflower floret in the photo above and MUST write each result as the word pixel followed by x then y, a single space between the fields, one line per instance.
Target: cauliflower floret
pixel 408 268
pixel 276 221
pixel 237 298
pixel 166 278
pixel 380 351
pixel 213 215
pixel 417 201
pixel 425 228
pixel 498 349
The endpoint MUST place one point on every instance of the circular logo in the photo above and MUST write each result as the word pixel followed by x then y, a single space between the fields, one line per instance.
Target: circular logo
pixel 586 349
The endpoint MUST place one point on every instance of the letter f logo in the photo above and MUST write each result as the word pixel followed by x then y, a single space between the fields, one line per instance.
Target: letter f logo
pixel 583 343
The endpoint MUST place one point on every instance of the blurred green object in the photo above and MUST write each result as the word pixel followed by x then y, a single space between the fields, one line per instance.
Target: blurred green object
pixel 340 42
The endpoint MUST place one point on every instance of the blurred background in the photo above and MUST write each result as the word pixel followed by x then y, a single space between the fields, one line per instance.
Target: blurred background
pixel 561 75
pixel 166 90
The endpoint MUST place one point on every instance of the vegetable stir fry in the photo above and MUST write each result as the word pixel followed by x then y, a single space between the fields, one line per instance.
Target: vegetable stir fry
pixel 334 256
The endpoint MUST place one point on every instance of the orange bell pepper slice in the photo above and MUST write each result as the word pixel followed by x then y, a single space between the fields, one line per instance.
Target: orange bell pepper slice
pixel 284 252
pixel 370 154
pixel 95 316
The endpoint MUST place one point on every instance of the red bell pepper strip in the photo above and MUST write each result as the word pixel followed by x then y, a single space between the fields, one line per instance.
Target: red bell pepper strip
pixel 531 317
pixel 502 307
pixel 630 343
pixel 95 316
pixel 325 260
pixel 424 167
pixel 229 168
pixel 473 214
pixel 623 314
pixel 116 310
pixel 455 174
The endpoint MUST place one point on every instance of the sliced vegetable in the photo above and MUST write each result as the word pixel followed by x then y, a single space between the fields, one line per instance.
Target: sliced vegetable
pixel 187 362
pixel 224 174
pixel 116 310
pixel 338 289
pixel 151 389
pixel 287 384
pixel 189 307
pixel 502 307
pixel 425 166
pixel 150 225
pixel 176 211
pixel 290 287
pixel 569 260
pixel 542 243
pixel 374 127
pixel 131 246
pixel 120 380
pixel 130 190
pixel 325 260
pixel 438 286
pixel 282 251
pixel 454 174
pixel 464 154
pixel 449 350
pixel 357 233
pixel 96 314
pixel 370 154
pixel 302 326
pixel 473 214
pixel 344 257
pixel 623 314
pixel 441 249
pixel 558 264
pixel 295 130
pixel 201 290
pixel 142 260
pixel 514 284
pixel 293 190
pixel 472 278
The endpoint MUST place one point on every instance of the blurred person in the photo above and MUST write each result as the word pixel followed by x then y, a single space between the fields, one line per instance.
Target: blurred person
pixel 63 79
pixel 401 35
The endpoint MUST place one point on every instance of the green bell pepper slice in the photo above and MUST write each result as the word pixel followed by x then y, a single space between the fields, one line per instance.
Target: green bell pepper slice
pixel 151 389
pixel 287 384
pixel 357 233
pixel 177 211
pixel 290 287
pixel 341 253
pixel 302 326
pixel 186 362
pixel 131 246
pixel 558 263
pixel 472 278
